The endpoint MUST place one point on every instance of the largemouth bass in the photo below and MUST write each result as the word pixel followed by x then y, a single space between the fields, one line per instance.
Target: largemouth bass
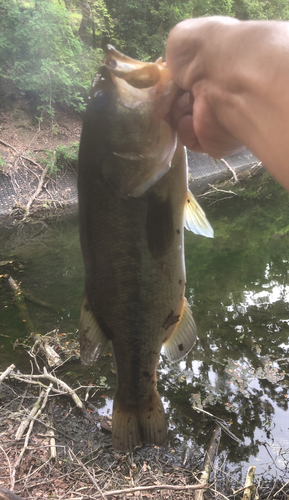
pixel 134 203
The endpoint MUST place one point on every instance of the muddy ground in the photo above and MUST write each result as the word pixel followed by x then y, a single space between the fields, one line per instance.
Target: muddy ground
pixel 55 445
pixel 38 160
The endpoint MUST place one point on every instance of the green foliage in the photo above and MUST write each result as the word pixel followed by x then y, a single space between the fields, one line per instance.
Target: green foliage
pixel 46 46
pixel 212 8
pixel 141 28
pixel 41 56
pixel 67 155
pixel 59 158
pixel 260 9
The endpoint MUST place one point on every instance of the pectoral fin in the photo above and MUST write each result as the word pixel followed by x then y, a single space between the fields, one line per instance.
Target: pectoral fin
pixel 195 218
pixel 92 338
pixel 183 337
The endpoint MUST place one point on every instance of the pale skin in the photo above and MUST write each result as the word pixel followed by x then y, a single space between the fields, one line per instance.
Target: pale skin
pixel 235 78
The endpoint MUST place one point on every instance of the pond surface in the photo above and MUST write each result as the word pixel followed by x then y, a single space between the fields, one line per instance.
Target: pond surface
pixel 237 285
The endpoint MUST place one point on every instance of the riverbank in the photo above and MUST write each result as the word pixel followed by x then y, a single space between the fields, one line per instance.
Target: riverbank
pixel 38 163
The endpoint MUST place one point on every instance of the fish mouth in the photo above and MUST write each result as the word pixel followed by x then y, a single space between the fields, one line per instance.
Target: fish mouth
pixel 153 78
pixel 138 74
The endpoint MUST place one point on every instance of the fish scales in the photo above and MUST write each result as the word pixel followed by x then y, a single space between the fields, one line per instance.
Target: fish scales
pixel 133 200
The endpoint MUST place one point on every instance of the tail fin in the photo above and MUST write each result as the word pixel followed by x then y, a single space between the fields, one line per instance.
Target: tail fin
pixel 133 426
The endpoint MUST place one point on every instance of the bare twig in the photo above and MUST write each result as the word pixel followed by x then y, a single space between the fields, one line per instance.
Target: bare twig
pixel 6 373
pixel 21 453
pixel 193 487
pixel 41 342
pixel 9 146
pixel 284 485
pixel 227 191
pixel 94 482
pixel 230 168
pixel 38 131
pixel 220 422
pixel 43 395
pixel 34 412
pixel 240 490
pixel 32 379
pixel 50 432
pixel 21 156
pixel 37 191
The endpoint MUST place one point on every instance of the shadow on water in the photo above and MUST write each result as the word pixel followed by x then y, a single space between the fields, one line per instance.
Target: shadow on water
pixel 238 287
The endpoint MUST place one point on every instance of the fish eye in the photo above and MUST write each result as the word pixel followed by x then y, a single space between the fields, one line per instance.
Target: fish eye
pixel 100 100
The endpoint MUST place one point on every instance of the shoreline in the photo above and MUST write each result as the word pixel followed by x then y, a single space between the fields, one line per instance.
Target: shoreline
pixel 58 195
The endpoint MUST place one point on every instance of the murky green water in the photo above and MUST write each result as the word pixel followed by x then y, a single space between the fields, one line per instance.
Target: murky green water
pixel 238 287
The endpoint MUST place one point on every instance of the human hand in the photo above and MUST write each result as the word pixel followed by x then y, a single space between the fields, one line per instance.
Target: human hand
pixel 197 56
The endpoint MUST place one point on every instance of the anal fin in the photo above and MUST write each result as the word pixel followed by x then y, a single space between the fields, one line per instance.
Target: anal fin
pixel 92 338
pixel 195 218
pixel 183 337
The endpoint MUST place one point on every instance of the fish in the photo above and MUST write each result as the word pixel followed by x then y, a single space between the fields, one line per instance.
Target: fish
pixel 134 203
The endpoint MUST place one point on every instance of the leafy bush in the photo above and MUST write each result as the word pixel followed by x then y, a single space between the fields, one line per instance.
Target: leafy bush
pixel 41 56
pixel 62 156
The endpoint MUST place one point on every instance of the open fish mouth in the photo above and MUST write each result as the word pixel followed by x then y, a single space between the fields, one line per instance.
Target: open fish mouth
pixel 137 73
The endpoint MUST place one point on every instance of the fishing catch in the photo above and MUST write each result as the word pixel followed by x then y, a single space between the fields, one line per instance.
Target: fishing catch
pixel 134 203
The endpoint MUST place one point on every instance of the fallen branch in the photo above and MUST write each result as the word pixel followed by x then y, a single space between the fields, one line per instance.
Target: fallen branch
pixel 249 484
pixel 20 155
pixel 6 373
pixel 41 342
pixel 32 420
pixel 214 188
pixel 9 146
pixel 35 379
pixel 50 432
pixel 20 304
pixel 37 191
pixel 209 461
pixel 230 168
pixel 35 412
pixel 31 298
pixel 191 487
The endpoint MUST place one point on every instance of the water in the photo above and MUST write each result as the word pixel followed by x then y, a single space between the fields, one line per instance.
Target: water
pixel 237 285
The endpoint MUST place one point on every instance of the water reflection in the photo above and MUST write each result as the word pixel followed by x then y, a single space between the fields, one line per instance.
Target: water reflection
pixel 240 301
pixel 238 288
